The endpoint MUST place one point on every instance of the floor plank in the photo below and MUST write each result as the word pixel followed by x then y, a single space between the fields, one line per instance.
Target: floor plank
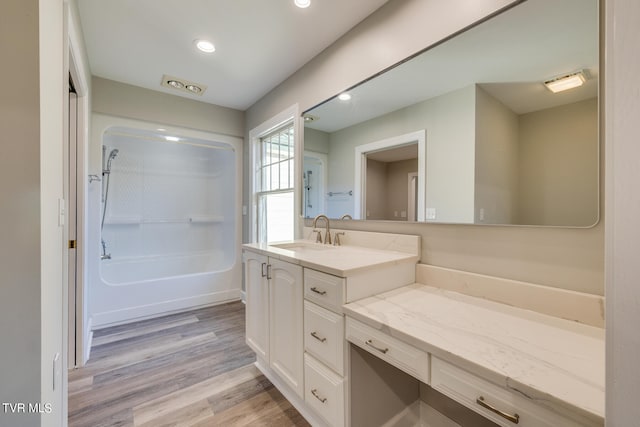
pixel 186 369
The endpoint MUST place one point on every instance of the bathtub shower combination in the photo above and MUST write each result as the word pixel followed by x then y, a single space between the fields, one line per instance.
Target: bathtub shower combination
pixel 169 224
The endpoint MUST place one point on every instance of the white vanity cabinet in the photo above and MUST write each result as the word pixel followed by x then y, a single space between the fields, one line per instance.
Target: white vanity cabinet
pixel 295 292
pixel 274 316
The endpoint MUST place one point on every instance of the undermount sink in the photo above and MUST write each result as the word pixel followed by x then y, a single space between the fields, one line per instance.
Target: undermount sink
pixel 302 246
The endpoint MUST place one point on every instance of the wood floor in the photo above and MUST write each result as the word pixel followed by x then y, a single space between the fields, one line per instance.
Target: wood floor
pixel 187 369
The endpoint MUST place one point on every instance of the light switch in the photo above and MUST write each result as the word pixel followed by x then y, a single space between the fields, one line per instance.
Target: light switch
pixel 431 213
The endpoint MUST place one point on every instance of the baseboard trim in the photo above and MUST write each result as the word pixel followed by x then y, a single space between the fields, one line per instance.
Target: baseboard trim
pixel 142 312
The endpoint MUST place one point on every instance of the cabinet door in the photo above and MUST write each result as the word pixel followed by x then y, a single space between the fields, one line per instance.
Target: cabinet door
pixel 257 309
pixel 285 323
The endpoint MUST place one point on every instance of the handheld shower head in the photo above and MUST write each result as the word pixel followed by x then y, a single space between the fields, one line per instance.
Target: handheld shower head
pixel 112 155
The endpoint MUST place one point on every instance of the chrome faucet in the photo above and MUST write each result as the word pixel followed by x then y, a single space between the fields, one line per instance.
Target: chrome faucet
pixel 327 233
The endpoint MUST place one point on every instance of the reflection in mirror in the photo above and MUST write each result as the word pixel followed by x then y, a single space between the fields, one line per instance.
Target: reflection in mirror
pixel 500 146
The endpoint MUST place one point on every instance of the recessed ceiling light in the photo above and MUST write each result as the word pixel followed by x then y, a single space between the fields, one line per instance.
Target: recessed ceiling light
pixel 175 83
pixel 309 118
pixel 192 88
pixel 205 46
pixel 302 3
pixel 344 96
pixel 567 82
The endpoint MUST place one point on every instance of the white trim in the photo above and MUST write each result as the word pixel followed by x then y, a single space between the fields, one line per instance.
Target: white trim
pixel 411 191
pixel 359 190
pixel 78 71
pixel 290 114
pixel 163 308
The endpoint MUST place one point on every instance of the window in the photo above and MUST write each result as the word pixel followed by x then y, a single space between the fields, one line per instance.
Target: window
pixel 274 185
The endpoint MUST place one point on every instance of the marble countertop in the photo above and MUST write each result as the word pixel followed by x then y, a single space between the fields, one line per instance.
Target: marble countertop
pixel 343 261
pixel 552 361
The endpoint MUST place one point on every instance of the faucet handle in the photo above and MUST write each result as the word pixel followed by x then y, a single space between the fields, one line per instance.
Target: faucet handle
pixel 318 235
pixel 336 241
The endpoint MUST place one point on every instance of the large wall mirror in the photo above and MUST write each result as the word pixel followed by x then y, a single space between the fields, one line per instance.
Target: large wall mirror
pixel 469 131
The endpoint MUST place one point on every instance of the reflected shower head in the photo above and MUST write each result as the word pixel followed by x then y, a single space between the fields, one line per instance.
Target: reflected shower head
pixel 113 153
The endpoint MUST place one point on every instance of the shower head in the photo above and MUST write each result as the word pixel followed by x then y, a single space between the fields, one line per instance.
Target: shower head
pixel 112 155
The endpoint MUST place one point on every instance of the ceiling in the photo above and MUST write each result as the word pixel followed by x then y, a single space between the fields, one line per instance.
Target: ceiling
pixel 259 43
pixel 509 56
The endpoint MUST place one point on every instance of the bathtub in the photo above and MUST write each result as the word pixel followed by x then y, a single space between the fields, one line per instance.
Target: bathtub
pixel 172 225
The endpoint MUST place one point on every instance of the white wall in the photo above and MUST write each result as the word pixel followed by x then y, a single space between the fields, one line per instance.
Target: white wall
pixel 622 109
pixel 564 258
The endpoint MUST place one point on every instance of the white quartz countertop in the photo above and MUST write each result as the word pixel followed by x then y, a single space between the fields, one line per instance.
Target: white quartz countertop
pixel 552 361
pixel 343 261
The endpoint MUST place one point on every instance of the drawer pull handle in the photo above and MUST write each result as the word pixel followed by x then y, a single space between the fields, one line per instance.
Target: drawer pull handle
pixel 317 396
pixel 264 267
pixel 315 335
pixel 515 418
pixel 381 350
pixel 314 289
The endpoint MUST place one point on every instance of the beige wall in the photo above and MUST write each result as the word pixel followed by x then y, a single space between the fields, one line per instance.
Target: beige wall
pixel 496 179
pixel 397 199
pixel 558 165
pixel 376 190
pixel 123 100
pixel 316 140
pixel 449 122
pixel 20 260
pixel 621 110
pixel 560 257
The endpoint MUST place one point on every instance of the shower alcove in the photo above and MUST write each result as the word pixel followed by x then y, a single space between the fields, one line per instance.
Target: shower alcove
pixel 169 220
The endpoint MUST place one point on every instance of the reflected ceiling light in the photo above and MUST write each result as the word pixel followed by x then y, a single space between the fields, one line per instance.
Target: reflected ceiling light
pixel 172 138
pixel 567 82
pixel 205 46
pixel 302 3
pixel 344 96
pixel 309 118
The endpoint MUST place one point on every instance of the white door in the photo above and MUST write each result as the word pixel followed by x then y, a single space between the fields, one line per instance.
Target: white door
pixel 286 329
pixel 257 310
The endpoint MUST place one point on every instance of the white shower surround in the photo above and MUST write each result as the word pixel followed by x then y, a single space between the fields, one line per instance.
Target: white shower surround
pixel 164 258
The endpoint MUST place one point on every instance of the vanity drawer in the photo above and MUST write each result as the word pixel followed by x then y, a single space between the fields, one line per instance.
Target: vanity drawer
pixel 324 289
pixel 411 360
pixel 477 393
pixel 324 336
pixel 324 391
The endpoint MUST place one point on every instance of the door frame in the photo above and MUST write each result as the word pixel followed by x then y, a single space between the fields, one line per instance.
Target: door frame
pixel 78 340
pixel 360 182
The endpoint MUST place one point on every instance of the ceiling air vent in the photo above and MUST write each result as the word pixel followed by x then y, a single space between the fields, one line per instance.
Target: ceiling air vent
pixel 183 85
